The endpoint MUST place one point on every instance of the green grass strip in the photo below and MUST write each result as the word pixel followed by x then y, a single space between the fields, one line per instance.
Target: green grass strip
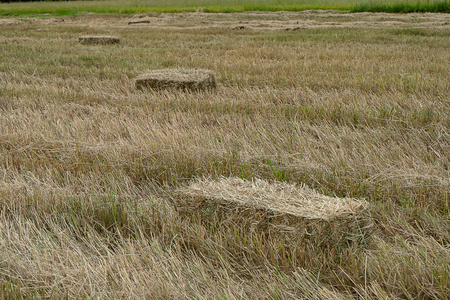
pixel 435 7
pixel 63 8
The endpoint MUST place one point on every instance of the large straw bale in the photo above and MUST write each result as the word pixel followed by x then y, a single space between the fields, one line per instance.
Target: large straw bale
pixel 297 214
pixel 99 40
pixel 184 79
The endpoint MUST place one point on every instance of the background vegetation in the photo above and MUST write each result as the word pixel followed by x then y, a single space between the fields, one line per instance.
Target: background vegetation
pixel 140 6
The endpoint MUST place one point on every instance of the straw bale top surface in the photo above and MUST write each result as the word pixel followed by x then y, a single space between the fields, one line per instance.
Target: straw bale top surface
pixel 279 197
pixel 176 75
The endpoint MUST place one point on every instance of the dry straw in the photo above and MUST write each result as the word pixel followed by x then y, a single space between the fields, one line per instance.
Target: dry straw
pixel 297 214
pixel 99 40
pixel 192 80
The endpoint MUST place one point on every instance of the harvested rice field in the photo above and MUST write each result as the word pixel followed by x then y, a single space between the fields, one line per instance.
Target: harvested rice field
pixel 316 168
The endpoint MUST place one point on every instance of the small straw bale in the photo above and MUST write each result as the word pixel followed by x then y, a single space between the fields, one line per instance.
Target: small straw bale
pixel 183 79
pixel 139 21
pixel 99 40
pixel 296 214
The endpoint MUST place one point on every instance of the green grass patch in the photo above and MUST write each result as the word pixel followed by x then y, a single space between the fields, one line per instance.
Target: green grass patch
pixel 63 8
pixel 168 6
pixel 404 7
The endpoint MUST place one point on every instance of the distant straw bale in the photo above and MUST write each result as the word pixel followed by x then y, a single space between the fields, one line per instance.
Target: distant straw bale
pixel 297 214
pixel 139 21
pixel 99 40
pixel 193 80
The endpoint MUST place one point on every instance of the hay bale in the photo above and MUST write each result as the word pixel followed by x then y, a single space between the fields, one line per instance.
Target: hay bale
pixel 193 80
pixel 139 21
pixel 99 40
pixel 298 215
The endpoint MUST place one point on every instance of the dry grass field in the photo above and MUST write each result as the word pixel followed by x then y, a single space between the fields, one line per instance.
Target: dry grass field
pixel 351 105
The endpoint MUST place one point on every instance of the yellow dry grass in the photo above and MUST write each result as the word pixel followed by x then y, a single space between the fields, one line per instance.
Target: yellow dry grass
pixel 89 165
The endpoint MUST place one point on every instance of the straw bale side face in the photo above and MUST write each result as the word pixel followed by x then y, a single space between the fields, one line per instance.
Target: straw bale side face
pixel 296 215
pixel 99 40
pixel 191 80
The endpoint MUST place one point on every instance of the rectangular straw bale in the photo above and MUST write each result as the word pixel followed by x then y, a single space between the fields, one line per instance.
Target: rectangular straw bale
pixel 183 79
pixel 99 40
pixel 139 21
pixel 298 214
